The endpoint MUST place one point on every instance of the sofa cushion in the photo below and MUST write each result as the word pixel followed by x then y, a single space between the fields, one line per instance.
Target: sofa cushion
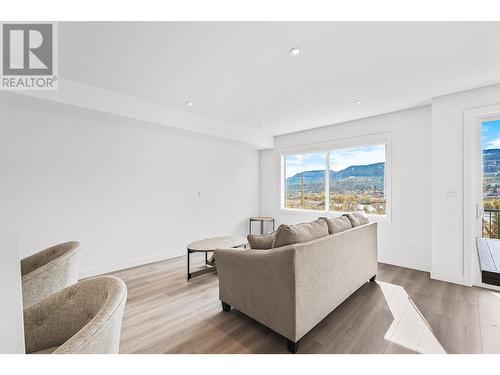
pixel 357 218
pixel 261 241
pixel 338 224
pixel 299 233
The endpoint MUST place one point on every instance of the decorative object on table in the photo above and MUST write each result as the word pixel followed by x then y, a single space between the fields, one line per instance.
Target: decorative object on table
pixel 49 271
pixel 207 246
pixel 84 318
pixel 262 220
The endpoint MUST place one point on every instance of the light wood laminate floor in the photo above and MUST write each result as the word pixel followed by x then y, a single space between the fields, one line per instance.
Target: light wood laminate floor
pixel 403 312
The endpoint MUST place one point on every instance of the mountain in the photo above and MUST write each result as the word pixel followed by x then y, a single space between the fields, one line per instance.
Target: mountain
pixel 491 160
pixel 353 178
pixel 370 170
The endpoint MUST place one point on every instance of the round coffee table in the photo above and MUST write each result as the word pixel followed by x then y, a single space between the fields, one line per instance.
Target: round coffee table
pixel 208 245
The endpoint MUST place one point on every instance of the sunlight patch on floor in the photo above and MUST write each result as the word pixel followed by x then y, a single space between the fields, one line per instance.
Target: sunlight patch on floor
pixel 496 294
pixel 409 328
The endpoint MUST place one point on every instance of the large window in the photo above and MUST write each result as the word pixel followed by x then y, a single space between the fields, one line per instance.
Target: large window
pixel 341 179
pixel 305 181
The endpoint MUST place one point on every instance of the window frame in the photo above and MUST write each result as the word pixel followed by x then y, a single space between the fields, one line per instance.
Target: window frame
pixel 338 144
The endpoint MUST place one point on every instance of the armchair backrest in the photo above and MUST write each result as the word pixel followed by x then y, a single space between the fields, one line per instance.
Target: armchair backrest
pixel 83 318
pixel 49 271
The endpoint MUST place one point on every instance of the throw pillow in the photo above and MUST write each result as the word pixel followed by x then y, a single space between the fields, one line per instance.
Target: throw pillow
pixel 299 233
pixel 357 218
pixel 338 224
pixel 261 241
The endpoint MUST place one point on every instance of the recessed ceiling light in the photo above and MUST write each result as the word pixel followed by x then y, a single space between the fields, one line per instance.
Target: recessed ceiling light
pixel 358 102
pixel 296 51
pixel 189 103
pixel 263 126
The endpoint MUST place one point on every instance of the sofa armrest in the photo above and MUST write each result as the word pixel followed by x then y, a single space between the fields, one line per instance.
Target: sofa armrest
pixel 328 270
pixel 261 284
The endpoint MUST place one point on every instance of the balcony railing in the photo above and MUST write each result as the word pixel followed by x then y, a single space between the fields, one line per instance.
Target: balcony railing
pixel 491 223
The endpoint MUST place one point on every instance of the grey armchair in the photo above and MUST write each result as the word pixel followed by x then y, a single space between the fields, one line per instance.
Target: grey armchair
pixel 84 318
pixel 49 271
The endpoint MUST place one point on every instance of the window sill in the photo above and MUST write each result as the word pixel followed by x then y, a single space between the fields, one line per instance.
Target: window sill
pixel 317 214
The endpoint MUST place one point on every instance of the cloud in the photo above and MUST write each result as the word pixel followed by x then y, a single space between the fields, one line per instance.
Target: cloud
pixel 494 143
pixel 304 162
pixel 339 159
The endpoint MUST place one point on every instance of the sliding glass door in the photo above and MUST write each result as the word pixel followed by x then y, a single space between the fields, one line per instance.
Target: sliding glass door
pixel 490 145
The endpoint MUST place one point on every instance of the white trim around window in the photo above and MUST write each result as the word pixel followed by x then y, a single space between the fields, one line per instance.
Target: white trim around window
pixel 472 196
pixel 339 144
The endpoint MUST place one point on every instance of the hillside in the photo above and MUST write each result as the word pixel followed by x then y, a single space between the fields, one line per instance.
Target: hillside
pixel 491 160
pixel 353 178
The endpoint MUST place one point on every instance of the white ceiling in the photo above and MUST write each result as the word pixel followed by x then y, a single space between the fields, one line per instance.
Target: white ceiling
pixel 242 73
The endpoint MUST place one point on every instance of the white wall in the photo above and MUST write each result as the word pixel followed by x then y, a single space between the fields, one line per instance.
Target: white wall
pixel 447 174
pixel 127 190
pixel 106 101
pixel 11 310
pixel 406 239
pixel 11 303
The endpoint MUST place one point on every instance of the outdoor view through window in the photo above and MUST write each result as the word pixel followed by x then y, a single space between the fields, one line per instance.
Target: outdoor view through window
pixel 356 180
pixel 491 178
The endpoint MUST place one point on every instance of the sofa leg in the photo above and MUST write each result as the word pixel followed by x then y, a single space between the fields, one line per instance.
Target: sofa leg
pixel 293 347
pixel 226 307
pixel 373 278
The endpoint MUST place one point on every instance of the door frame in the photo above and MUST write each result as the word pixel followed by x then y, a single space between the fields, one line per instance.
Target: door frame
pixel 472 197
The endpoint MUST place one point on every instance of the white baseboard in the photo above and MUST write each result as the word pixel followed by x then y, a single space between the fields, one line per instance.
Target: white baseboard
pixel 487 286
pixel 405 263
pixel 455 279
pixel 89 272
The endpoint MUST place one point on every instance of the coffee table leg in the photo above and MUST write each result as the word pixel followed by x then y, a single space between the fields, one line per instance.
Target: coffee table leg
pixel 188 271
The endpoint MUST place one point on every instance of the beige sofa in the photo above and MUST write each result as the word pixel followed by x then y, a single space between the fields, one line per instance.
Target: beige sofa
pixel 292 288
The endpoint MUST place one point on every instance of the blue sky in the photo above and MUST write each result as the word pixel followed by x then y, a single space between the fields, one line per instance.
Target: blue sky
pixel 339 159
pixel 491 134
pixel 304 162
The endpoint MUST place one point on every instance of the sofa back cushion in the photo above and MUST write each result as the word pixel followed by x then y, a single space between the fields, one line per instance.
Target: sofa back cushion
pixel 261 241
pixel 299 233
pixel 338 224
pixel 357 218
